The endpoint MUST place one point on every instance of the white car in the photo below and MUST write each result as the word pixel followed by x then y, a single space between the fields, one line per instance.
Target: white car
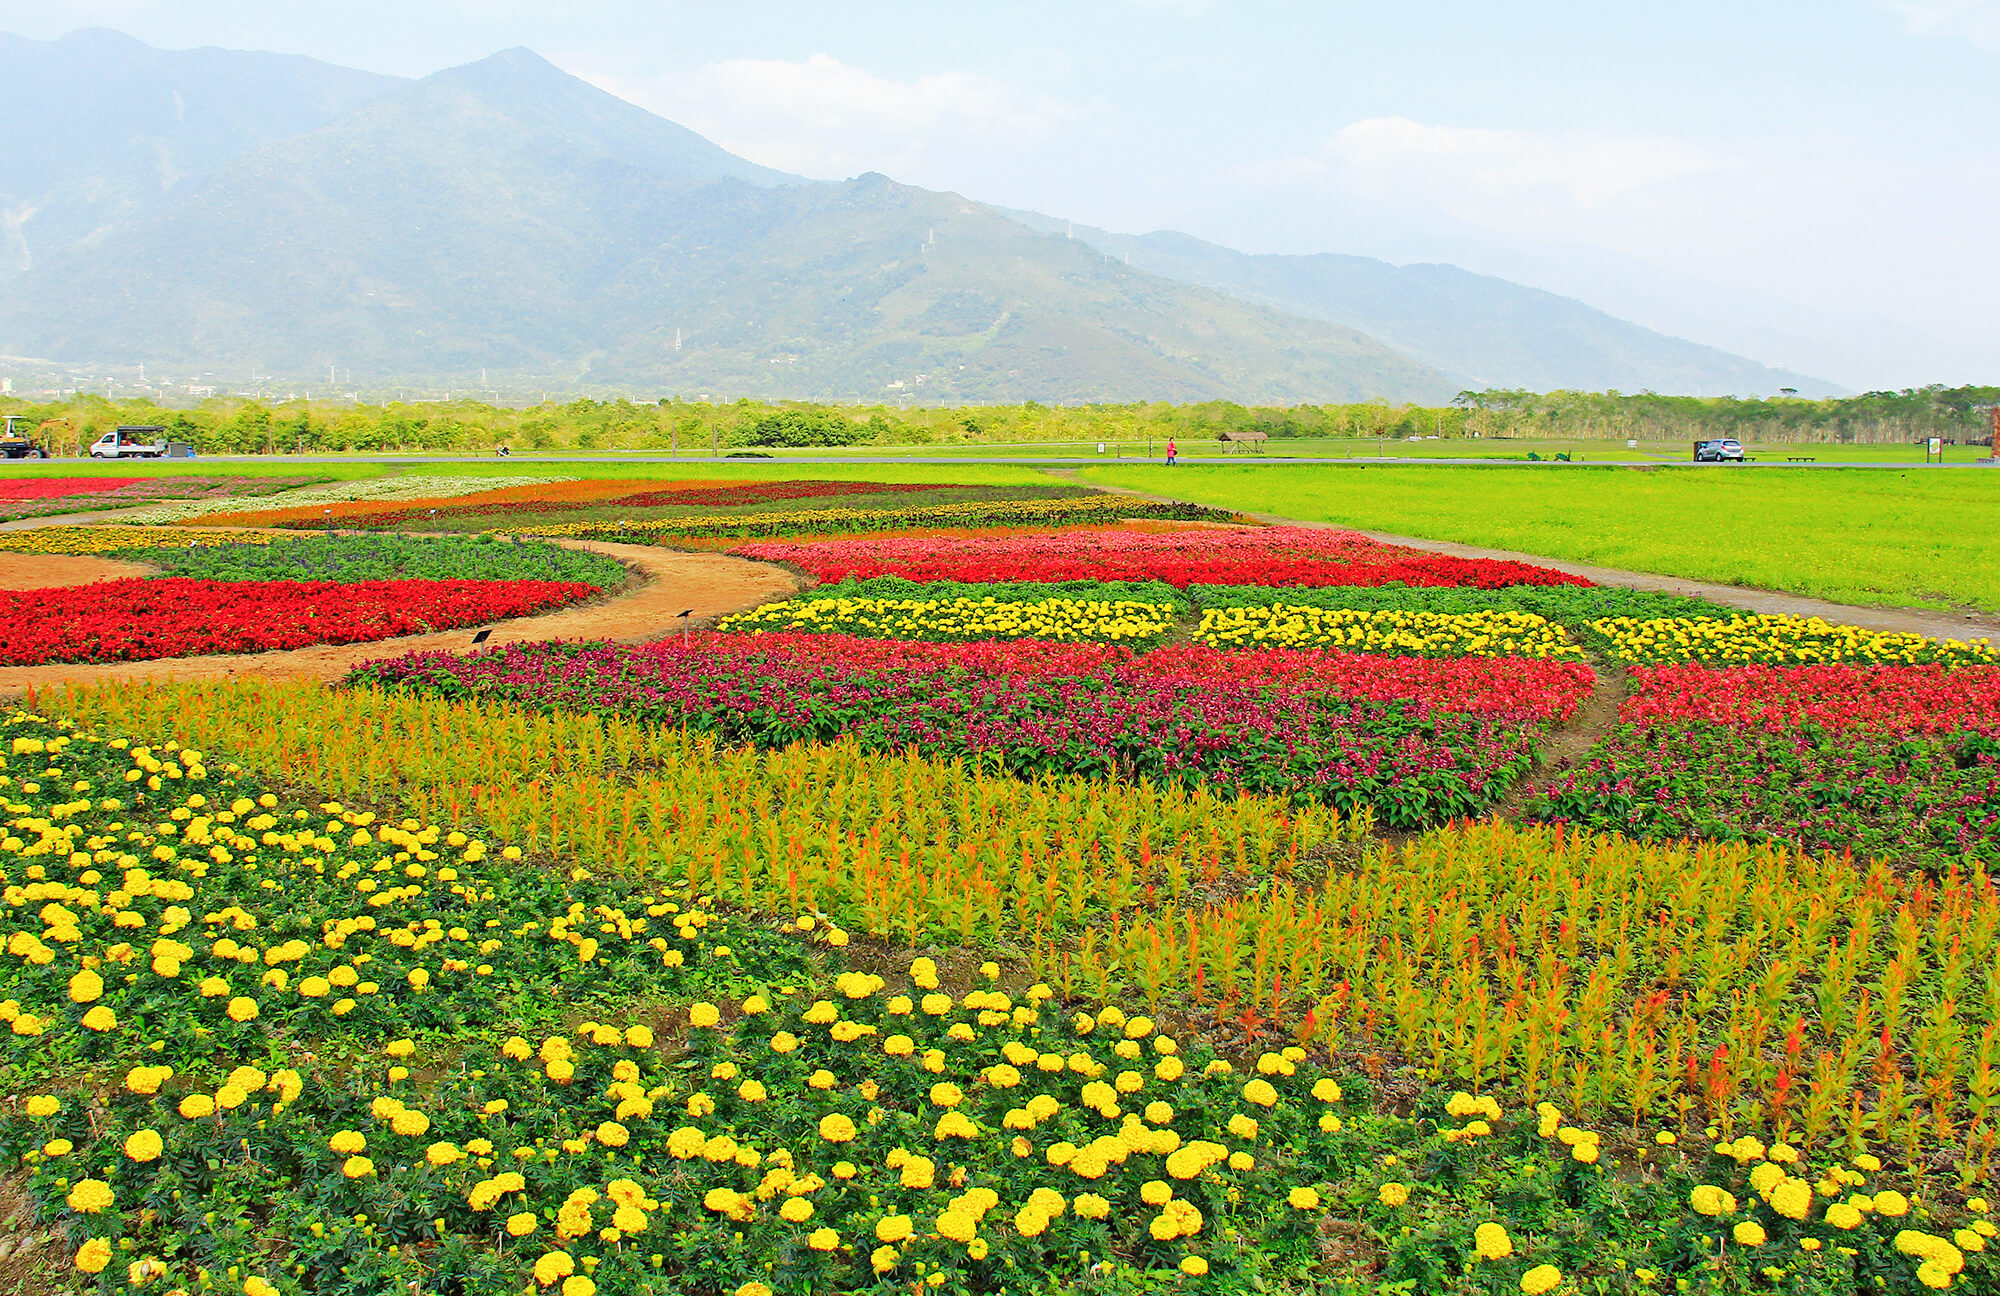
pixel 1726 450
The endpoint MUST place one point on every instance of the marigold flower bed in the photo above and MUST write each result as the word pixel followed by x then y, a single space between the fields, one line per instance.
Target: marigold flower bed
pixel 1235 556
pixel 91 540
pixel 1417 634
pixel 1323 728
pixel 1096 620
pixel 1775 641
pixel 135 620
pixel 392 1049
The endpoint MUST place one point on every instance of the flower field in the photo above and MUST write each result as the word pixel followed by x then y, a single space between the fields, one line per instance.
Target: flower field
pixel 1067 893
pixel 1236 556
pixel 396 1050
pixel 40 496
pixel 1412 746
pixel 135 620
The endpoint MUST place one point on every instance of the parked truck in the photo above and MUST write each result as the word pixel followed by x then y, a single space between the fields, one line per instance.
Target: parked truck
pixel 16 442
pixel 138 442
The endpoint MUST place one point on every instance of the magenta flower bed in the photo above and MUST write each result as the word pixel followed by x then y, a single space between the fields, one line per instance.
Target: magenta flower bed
pixel 1046 710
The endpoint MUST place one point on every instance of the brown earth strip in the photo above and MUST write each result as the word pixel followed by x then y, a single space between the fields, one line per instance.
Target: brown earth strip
pixel 664 583
pixel 23 571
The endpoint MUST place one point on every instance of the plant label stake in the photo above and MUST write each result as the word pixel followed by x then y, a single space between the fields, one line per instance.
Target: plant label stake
pixel 480 638
pixel 684 625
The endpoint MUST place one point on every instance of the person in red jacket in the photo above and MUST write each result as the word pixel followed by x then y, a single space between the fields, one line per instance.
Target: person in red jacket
pixel 1172 454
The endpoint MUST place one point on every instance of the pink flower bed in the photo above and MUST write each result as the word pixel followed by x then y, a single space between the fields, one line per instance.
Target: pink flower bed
pixel 1928 698
pixel 1298 556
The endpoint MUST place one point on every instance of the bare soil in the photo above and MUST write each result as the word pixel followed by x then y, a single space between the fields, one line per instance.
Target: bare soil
pixel 664 584
pixel 54 571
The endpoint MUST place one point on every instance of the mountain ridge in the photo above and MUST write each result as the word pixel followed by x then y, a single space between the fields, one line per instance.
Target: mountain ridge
pixel 505 216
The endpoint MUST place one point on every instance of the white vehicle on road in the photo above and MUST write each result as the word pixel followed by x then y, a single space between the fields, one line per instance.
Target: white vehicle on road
pixel 130 443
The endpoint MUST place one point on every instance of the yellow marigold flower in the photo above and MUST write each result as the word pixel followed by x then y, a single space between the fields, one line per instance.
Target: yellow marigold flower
pixel 90 1196
pixel 1303 1198
pixel 196 1106
pixel 1491 1242
pixel 1748 1233
pixel 1194 1266
pixel 796 1209
pixel 824 1239
pixel 702 1016
pixel 1843 1216
pixel 1584 1152
pixel 85 987
pixel 1393 1194
pixel 946 1094
pixel 1892 1204
pixel 753 1289
pixel 1241 1161
pixel 836 1128
pixel 94 1255
pixel 400 1048
pixel 1792 1198
pixel 242 1009
pixel 893 1228
pixel 1709 1200
pixel 144 1145
pixel 1260 1092
pixel 552 1266
pixel 613 1135
pixel 443 1154
pixel 254 1285
pixel 410 1124
pixel 1031 1221
pixel 348 1141
pixel 357 1167
pixel 1326 1090
pixel 1540 1279
pixel 522 1224
pixel 883 1258
pixel 43 1105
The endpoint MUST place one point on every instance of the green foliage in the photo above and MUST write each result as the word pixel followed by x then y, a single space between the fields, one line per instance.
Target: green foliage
pixel 796 428
pixel 387 557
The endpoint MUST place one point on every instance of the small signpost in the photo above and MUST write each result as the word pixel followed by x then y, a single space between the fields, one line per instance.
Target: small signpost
pixel 685 623
pixel 1934 448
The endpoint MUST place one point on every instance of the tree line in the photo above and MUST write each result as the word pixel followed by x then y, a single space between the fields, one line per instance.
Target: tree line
pixel 228 425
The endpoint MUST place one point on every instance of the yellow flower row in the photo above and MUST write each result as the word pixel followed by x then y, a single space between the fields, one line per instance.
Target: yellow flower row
pixel 1778 641
pixel 1421 634
pixel 961 619
pixel 82 540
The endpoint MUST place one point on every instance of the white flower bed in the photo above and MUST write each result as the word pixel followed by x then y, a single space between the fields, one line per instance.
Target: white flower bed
pixel 387 489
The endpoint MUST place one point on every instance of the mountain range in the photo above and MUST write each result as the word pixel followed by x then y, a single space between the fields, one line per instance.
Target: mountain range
pixel 224 210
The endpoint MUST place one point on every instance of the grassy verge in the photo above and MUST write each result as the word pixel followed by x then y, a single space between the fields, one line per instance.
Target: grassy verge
pixel 1892 538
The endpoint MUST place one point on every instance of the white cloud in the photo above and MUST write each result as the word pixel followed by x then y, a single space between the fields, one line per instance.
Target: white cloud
pixel 825 118
pixel 1479 173
pixel 1978 20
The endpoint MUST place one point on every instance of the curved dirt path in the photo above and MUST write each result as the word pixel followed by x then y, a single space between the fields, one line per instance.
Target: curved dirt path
pixel 664 583
pixel 1923 621
pixel 23 571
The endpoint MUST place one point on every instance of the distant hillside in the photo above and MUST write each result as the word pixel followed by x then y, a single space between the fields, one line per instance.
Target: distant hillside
pixel 1485 332
pixel 505 216
pixel 98 129
pixel 238 212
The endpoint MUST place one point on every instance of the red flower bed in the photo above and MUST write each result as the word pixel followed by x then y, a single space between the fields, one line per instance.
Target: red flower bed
pixel 1494 686
pixel 1928 698
pixel 1215 556
pixel 135 620
pixel 27 488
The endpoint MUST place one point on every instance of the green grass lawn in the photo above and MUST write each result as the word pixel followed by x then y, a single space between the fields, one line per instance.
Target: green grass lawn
pixel 1905 539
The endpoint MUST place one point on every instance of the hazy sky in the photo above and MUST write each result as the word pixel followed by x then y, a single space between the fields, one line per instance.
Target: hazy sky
pixel 1812 182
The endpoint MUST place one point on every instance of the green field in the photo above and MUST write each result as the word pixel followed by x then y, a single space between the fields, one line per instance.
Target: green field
pixel 1903 539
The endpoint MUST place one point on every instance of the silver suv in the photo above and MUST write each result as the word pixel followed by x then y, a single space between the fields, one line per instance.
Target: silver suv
pixel 1724 451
